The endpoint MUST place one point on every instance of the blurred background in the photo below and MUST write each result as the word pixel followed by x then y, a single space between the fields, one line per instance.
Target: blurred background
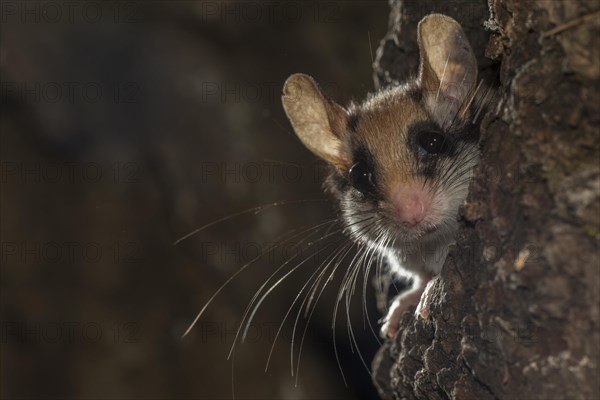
pixel 125 126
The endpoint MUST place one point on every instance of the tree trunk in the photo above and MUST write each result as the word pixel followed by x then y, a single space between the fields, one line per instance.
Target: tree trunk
pixel 515 312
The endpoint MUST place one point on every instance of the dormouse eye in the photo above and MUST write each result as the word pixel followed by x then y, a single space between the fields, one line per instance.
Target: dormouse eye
pixel 362 178
pixel 433 143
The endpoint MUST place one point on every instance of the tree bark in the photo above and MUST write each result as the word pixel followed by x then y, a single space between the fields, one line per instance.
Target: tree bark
pixel 515 312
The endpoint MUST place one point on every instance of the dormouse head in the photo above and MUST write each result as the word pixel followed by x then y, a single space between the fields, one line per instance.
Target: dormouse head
pixel 400 159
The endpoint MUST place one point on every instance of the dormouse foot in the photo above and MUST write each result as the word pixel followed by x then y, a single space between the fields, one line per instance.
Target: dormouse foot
pixel 403 302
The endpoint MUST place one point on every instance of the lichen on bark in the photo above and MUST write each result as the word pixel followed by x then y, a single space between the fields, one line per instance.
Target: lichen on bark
pixel 516 310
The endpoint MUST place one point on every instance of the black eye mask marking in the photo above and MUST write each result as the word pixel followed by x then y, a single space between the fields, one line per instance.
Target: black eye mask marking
pixel 433 143
pixel 428 145
pixel 362 173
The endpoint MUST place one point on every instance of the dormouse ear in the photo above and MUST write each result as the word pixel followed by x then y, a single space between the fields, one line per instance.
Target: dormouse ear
pixel 448 69
pixel 319 122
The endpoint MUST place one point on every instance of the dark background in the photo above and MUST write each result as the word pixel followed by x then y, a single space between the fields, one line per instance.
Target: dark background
pixel 126 125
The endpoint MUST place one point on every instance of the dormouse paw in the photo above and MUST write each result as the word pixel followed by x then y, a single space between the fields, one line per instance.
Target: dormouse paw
pixel 417 296
pixel 401 303
pixel 391 322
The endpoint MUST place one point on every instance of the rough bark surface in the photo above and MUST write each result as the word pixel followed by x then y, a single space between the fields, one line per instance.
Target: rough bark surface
pixel 515 312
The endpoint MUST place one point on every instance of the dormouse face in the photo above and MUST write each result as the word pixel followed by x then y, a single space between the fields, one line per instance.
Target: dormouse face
pixel 407 174
pixel 401 159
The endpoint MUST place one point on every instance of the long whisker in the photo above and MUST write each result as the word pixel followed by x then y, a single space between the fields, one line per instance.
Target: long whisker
pixel 255 210
pixel 335 350
pixel 344 286
pixel 366 275
pixel 330 223
pixel 275 286
pixel 249 307
pixel 349 322
pixel 339 249
pixel 336 353
pixel 346 249
pixel 295 300
pixel 220 289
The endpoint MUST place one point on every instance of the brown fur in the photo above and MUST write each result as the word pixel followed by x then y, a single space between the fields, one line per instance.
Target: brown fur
pixel 381 136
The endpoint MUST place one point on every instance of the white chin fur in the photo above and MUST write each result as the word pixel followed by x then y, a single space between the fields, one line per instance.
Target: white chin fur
pixel 408 252
pixel 407 257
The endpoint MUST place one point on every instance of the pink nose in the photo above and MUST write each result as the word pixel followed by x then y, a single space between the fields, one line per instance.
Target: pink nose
pixel 411 203
pixel 411 212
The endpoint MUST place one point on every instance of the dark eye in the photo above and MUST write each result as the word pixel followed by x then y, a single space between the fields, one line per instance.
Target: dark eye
pixel 362 178
pixel 433 143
